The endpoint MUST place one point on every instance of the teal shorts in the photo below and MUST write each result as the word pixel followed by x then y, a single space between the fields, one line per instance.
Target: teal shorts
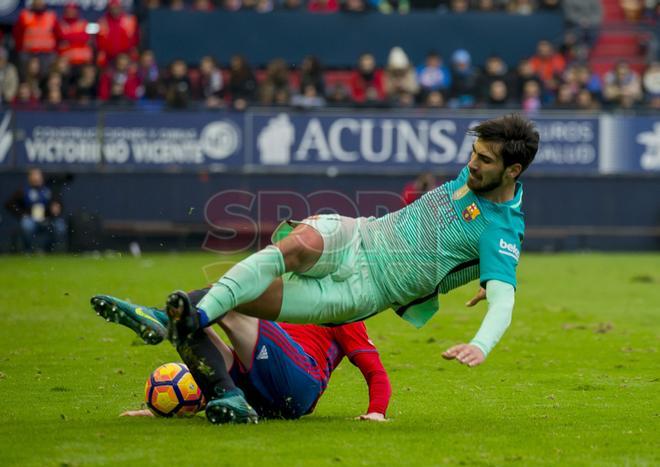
pixel 338 289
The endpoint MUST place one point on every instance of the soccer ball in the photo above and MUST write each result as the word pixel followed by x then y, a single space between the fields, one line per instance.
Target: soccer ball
pixel 172 391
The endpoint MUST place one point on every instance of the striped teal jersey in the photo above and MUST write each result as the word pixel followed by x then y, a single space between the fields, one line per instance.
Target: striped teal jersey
pixel 445 239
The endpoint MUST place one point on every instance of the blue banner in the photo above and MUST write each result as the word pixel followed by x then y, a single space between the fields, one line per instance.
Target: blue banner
pixel 633 144
pixel 173 139
pixel 383 141
pixel 6 139
pixel 60 140
pixel 128 139
pixel 326 142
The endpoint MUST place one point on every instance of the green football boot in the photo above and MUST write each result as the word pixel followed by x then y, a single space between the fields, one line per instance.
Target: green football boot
pixel 148 323
pixel 230 407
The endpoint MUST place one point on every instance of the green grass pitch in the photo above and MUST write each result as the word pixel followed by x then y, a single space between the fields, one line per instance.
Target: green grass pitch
pixel 575 380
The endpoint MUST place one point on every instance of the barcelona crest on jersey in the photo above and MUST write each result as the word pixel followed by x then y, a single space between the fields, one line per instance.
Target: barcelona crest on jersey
pixel 471 212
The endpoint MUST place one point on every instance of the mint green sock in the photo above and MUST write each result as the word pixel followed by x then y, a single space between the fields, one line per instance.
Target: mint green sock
pixel 243 283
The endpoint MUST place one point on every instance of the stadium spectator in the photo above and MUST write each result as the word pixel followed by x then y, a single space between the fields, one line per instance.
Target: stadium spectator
pixel 488 5
pixel 232 5
pixel 413 190
pixel 498 96
pixel 177 86
pixel 119 83
pixel 531 96
pixel 338 96
pixel 264 6
pixel 589 80
pixel 211 84
pixel 61 66
pixel 308 98
pixel 632 9
pixel 72 37
pixel 367 81
pixel 323 6
pixel 551 5
pixel 584 17
pixel 54 100
pixel 389 6
pixel 586 101
pixel 547 64
pixel 566 96
pixel 574 46
pixel 520 7
pixel 118 34
pixel 311 74
pixel 622 86
pixel 53 82
pixel 276 82
pixel 85 86
pixel 148 75
pixel 651 82
pixel 33 76
pixel 8 78
pixel 291 5
pixel 177 5
pixel 465 80
pixel 242 82
pixel 495 69
pixel 459 6
pixel 434 100
pixel 433 75
pixel 399 80
pixel 354 6
pixel 39 213
pixel 524 73
pixel 34 35
pixel 25 98
pixel 202 5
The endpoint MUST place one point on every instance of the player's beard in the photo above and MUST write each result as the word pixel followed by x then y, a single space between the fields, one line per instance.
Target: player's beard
pixel 481 188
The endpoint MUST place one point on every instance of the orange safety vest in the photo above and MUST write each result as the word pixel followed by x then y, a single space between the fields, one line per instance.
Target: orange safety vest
pixel 77 54
pixel 39 32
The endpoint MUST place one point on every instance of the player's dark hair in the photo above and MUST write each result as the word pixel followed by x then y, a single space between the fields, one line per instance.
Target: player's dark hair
pixel 515 135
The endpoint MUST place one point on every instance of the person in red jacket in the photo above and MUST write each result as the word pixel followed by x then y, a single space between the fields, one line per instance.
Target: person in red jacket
pixel 367 81
pixel 120 82
pixel 323 6
pixel 118 33
pixel 548 64
pixel 34 34
pixel 283 369
pixel 72 37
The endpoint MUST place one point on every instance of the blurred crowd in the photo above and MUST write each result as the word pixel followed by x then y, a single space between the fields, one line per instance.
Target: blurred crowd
pixel 58 64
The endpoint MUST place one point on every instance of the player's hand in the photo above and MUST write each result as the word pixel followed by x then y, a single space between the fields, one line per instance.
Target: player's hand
pixel 481 295
pixel 467 354
pixel 137 413
pixel 373 417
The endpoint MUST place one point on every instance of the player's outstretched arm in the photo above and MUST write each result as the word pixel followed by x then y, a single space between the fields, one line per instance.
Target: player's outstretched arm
pixel 378 382
pixel 501 298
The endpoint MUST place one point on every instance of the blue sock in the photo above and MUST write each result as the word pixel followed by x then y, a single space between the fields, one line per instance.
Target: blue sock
pixel 203 318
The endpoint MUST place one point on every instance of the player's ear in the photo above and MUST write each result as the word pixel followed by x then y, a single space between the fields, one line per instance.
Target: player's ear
pixel 514 170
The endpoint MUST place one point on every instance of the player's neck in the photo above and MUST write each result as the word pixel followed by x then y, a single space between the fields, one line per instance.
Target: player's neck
pixel 501 194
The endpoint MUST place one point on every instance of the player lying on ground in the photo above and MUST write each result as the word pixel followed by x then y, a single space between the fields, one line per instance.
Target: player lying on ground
pixel 281 370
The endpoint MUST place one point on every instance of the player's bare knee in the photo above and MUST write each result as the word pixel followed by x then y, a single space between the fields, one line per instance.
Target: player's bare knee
pixel 301 249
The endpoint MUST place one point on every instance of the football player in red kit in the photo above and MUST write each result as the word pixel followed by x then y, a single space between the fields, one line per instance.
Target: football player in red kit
pixel 281 369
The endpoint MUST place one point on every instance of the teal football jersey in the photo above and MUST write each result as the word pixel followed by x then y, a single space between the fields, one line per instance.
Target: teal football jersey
pixel 445 239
